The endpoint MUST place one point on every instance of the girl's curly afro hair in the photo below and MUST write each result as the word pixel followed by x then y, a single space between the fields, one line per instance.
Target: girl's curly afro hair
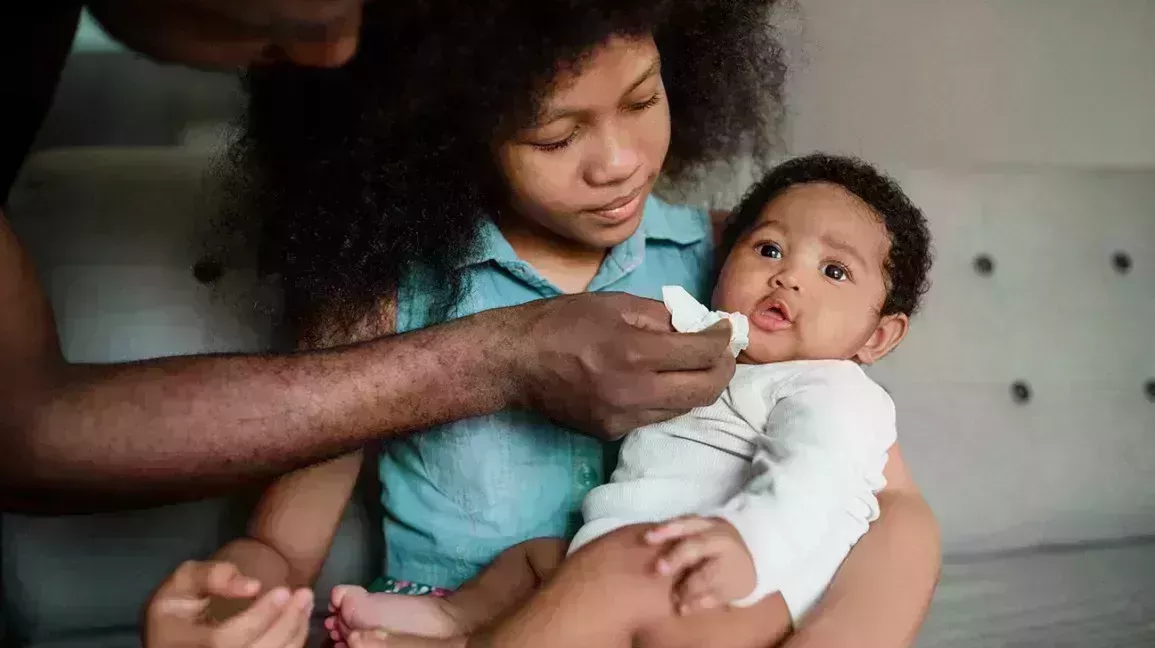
pixel 355 176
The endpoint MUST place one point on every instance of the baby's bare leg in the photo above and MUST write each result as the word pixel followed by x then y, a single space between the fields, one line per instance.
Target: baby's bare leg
pixel 507 582
pixel 511 579
pixel 610 594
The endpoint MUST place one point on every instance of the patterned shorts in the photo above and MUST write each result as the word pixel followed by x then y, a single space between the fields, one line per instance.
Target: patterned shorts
pixel 407 588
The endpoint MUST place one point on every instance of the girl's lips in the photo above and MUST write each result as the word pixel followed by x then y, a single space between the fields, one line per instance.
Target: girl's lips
pixel 621 213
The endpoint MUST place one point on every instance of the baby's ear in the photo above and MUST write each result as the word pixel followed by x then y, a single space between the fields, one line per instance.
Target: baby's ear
pixel 889 332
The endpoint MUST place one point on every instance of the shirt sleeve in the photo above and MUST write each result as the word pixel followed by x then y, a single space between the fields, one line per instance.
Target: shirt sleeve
pixel 811 490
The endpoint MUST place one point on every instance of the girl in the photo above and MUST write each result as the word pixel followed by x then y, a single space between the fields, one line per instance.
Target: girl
pixel 519 165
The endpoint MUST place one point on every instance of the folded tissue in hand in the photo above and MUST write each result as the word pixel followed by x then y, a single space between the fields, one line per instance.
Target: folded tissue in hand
pixel 690 316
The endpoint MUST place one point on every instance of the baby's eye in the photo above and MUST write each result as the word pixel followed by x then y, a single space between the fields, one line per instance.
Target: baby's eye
pixel 835 272
pixel 770 250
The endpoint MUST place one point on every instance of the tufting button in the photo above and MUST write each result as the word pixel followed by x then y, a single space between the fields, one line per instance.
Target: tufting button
pixel 1150 389
pixel 1020 391
pixel 984 265
pixel 1122 262
pixel 206 271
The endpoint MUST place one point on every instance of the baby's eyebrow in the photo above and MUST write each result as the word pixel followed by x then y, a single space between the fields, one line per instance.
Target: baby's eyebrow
pixel 844 247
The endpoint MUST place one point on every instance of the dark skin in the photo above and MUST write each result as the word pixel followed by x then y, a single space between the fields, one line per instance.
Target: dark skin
pixel 85 438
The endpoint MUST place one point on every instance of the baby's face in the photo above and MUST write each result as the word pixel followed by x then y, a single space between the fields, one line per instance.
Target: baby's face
pixel 810 276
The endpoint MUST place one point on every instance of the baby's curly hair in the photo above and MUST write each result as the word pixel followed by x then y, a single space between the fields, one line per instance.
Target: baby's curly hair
pixel 355 176
pixel 909 260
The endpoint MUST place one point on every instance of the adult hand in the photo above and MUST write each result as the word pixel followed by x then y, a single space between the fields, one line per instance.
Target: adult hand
pixel 176 615
pixel 608 363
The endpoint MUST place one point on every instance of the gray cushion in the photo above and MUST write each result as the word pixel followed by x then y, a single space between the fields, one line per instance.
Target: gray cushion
pixel 1079 597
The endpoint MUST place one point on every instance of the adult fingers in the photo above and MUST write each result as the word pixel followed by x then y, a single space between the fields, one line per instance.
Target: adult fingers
pixel 285 627
pixel 683 351
pixel 198 579
pixel 246 627
pixel 645 314
pixel 684 390
pixel 301 637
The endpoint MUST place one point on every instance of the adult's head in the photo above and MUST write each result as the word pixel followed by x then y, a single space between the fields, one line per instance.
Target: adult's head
pixel 455 109
pixel 234 33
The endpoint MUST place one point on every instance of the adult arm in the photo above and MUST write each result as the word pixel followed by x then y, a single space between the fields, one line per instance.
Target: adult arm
pixel 84 437
pixel 883 590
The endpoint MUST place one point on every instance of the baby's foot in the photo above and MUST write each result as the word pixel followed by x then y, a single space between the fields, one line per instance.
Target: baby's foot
pixel 385 639
pixel 354 608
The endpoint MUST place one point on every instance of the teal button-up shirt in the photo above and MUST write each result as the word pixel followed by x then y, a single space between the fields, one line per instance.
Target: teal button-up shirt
pixel 457 495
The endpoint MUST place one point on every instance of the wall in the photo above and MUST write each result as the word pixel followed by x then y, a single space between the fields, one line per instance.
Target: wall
pixel 980 82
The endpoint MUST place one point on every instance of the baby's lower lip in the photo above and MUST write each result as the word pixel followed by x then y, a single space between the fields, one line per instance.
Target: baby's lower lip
pixel 769 320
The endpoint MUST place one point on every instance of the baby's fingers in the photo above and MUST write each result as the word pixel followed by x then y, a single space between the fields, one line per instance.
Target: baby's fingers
pixel 677 528
pixel 687 553
pixel 702 582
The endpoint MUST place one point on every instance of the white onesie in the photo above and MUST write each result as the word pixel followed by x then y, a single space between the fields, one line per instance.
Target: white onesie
pixel 792 455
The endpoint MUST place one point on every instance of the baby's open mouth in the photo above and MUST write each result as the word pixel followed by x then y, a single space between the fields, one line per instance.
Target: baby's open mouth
pixel 772 315
pixel 776 311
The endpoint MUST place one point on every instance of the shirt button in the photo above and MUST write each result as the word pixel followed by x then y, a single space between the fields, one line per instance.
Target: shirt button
pixel 587 476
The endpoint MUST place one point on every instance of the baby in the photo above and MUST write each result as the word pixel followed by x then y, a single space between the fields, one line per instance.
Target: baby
pixel 766 490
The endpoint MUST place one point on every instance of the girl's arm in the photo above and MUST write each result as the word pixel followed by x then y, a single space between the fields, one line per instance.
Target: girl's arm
pixel 292 527
pixel 881 594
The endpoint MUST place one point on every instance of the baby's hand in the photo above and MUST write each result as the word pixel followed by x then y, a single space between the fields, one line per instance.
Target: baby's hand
pixel 710 559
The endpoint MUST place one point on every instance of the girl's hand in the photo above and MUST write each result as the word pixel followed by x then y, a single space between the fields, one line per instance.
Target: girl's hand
pixel 708 557
pixel 176 614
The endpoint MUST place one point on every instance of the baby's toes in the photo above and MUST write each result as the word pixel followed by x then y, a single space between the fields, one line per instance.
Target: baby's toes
pixel 368 639
pixel 339 594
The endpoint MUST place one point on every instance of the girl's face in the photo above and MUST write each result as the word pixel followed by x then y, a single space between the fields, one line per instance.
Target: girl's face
pixel 582 172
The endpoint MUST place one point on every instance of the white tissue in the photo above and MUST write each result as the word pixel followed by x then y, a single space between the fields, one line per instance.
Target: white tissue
pixel 690 316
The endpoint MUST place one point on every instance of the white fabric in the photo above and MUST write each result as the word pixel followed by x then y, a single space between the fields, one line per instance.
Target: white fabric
pixel 689 316
pixel 792 455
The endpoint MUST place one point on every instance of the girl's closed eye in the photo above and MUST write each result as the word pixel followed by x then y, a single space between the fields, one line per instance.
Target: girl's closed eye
pixel 556 144
pixel 645 104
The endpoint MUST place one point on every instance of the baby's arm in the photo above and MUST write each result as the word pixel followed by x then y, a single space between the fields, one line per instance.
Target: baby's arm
pixel 814 477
